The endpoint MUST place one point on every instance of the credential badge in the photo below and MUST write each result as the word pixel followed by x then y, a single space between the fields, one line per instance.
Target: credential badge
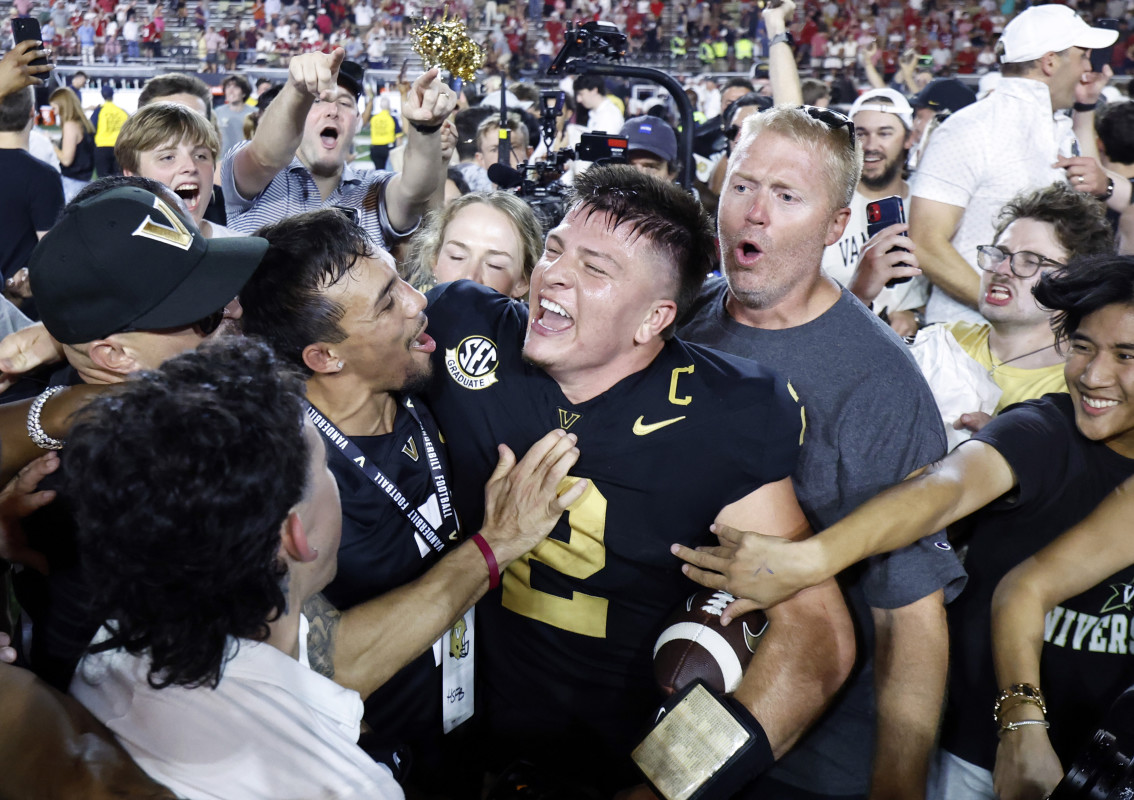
pixel 473 362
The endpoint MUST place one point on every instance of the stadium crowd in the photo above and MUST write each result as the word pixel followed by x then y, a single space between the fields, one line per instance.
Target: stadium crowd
pixel 943 38
pixel 364 439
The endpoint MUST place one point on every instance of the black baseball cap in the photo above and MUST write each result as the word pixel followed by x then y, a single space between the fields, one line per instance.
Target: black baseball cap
pixel 351 77
pixel 125 260
pixel 944 94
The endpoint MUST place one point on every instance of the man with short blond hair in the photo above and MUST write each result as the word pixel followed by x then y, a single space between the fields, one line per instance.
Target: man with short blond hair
pixel 790 180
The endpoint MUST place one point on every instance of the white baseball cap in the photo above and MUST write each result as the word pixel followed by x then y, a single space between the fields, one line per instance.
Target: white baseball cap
pixel 898 105
pixel 1050 28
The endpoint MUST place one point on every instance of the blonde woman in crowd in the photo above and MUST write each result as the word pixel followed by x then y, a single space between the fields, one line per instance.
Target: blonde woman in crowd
pixel 491 238
pixel 76 149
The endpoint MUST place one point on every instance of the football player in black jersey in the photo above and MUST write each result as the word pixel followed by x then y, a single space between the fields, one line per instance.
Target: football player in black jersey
pixel 334 307
pixel 673 437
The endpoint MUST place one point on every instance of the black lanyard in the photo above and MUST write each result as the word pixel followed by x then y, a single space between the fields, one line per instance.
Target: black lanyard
pixel 336 438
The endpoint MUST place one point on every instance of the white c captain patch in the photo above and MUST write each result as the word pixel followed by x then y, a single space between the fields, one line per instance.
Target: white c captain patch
pixel 473 362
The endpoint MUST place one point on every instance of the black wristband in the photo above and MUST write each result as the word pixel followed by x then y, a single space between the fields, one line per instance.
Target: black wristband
pixel 426 129
pixel 1085 106
pixel 1109 190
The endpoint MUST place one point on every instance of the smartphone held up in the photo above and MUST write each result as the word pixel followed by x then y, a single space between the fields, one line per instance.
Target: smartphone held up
pixel 25 29
pixel 881 214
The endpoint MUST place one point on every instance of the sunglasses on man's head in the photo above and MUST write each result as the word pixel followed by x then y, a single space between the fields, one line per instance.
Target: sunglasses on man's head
pixel 832 119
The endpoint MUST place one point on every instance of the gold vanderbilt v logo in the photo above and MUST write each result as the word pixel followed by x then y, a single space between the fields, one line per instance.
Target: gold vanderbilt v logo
pixel 410 448
pixel 567 419
pixel 178 235
pixel 641 428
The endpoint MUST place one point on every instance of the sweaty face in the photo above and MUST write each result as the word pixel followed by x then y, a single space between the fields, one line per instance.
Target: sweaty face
pixel 1100 377
pixel 184 167
pixel 480 243
pixel 384 319
pixel 776 215
pixel 327 133
pixel 594 296
pixel 1005 299
pixel 883 139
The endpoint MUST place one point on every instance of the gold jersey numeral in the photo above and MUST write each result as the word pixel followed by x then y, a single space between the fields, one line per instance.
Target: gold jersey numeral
pixel 581 556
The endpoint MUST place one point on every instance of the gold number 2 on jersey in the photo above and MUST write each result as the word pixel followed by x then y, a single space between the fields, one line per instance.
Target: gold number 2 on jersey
pixel 581 556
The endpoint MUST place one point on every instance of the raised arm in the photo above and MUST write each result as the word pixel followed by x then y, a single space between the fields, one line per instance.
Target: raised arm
pixel 767 569
pixel 1099 546
pixel 365 646
pixel 280 131
pixel 426 107
pixel 782 72
pixel 873 76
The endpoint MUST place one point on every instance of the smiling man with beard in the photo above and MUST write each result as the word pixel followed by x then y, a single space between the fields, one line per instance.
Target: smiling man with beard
pixel 297 161
pixel 882 121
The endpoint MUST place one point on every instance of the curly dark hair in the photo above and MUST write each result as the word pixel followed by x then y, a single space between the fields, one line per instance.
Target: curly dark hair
pixel 180 480
pixel 1079 220
pixel 1083 287
pixel 284 302
pixel 663 214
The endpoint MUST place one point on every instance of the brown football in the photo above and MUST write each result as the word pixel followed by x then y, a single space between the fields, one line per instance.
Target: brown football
pixel 694 644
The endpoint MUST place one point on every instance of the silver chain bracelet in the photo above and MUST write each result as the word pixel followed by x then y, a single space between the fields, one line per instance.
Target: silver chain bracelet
pixel 35 429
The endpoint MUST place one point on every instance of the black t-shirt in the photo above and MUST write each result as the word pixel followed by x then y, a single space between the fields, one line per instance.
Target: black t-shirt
pixel 566 644
pixel 1086 660
pixel 31 197
pixel 380 551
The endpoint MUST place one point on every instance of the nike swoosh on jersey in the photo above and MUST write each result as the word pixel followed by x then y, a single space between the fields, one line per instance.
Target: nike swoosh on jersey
pixel 641 428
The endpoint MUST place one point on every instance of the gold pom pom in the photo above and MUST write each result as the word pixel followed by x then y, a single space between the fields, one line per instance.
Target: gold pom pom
pixel 447 44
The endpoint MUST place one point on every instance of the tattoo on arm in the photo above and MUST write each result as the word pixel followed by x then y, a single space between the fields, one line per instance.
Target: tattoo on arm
pixel 324 621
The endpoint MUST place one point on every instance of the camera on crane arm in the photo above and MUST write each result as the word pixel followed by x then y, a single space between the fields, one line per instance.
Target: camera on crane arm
pixel 538 182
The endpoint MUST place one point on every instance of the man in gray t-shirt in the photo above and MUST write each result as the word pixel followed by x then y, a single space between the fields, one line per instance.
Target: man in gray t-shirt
pixel 231 115
pixel 870 420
